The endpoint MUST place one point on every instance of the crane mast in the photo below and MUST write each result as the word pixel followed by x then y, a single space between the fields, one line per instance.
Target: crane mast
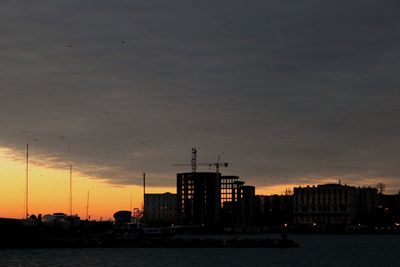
pixel 194 163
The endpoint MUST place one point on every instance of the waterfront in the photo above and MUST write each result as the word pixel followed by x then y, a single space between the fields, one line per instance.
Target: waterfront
pixel 314 250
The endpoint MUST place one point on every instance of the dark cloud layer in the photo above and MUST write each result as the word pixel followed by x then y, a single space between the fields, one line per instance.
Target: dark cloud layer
pixel 284 89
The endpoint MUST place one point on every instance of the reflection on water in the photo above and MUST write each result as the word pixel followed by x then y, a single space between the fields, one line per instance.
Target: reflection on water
pixel 328 250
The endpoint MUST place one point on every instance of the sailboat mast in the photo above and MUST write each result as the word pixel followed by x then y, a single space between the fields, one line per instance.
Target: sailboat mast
pixel 87 205
pixel 131 199
pixel 26 182
pixel 144 197
pixel 70 189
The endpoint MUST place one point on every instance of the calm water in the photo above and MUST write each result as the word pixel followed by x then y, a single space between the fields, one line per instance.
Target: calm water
pixel 314 251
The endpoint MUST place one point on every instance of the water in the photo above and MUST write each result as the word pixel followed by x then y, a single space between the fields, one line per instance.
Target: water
pixel 315 250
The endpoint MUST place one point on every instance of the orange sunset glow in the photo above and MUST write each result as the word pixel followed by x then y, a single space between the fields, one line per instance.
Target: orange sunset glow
pixel 49 191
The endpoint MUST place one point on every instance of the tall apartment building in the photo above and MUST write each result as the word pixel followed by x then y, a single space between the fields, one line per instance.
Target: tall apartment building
pixel 228 185
pixel 247 205
pixel 199 198
pixel 238 208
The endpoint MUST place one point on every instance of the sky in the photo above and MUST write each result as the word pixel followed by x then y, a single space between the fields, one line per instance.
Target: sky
pixel 288 92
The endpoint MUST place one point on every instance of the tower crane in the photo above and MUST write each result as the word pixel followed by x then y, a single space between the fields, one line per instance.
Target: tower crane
pixel 194 163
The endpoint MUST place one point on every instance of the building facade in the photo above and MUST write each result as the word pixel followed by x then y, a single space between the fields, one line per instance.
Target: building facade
pixel 239 210
pixel 247 205
pixel 332 204
pixel 199 198
pixel 228 185
pixel 160 209
pixel 274 210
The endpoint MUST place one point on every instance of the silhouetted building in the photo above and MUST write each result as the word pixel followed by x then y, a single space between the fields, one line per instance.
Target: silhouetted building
pixel 325 204
pixel 274 211
pixel 333 204
pixel 160 209
pixel 367 203
pixel 247 204
pixel 122 216
pixel 238 211
pixel 388 211
pixel 199 198
pixel 232 216
pixel 227 188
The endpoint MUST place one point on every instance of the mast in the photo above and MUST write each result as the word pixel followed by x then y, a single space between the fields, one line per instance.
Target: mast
pixel 26 182
pixel 144 194
pixel 144 185
pixel 131 200
pixel 87 205
pixel 70 189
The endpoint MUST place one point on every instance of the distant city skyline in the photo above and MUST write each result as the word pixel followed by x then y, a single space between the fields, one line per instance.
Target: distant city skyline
pixel 289 93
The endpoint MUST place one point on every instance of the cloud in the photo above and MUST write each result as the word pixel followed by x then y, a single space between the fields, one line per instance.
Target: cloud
pixel 283 89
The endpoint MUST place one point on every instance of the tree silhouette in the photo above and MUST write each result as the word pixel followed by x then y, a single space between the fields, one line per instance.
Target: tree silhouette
pixel 381 187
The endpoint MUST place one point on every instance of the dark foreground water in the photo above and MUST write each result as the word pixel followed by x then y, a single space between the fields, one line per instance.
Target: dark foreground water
pixel 314 250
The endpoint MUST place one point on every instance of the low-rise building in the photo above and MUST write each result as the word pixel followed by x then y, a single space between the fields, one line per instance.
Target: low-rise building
pixel 160 209
pixel 332 204
pixel 388 210
pixel 274 210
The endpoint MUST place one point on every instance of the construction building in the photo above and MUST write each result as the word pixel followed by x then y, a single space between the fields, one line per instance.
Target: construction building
pixel 228 185
pixel 238 208
pixel 199 198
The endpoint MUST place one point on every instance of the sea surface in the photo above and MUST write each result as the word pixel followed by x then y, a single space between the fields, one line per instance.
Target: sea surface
pixel 314 250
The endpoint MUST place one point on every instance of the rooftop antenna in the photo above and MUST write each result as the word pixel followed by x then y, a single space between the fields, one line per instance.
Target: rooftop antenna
pixel 26 182
pixel 70 189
